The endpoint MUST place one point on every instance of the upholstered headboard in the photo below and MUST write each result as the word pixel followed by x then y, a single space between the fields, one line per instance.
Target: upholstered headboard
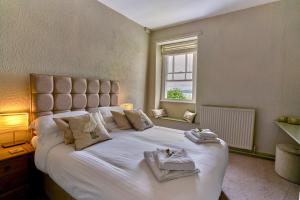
pixel 54 94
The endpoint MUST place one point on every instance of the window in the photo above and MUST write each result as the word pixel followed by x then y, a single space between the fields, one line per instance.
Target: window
pixel 179 74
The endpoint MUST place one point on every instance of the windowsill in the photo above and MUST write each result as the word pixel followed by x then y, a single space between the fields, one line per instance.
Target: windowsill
pixel 177 101
pixel 174 120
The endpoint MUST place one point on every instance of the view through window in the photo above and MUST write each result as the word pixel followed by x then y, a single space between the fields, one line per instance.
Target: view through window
pixel 179 76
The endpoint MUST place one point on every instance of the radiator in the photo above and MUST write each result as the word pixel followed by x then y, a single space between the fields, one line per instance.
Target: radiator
pixel 233 125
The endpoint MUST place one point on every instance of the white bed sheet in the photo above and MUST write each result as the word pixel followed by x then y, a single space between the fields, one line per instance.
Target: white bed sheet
pixel 116 170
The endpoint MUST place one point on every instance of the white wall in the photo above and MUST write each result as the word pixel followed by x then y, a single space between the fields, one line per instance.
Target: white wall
pixel 249 58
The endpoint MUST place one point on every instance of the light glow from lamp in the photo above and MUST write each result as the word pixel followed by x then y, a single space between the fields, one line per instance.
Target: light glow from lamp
pixel 127 106
pixel 13 122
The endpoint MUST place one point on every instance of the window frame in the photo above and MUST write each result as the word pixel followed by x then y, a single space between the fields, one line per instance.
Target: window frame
pixel 165 73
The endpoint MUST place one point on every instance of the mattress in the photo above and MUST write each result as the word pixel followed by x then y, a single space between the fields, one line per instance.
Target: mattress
pixel 115 169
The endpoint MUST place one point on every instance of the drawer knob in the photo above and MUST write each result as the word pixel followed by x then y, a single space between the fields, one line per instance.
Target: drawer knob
pixel 7 168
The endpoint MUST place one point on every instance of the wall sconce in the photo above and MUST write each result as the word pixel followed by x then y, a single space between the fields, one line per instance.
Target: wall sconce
pixel 127 106
pixel 12 123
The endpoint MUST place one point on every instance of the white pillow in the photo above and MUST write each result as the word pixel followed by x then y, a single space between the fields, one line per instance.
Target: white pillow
pixel 45 125
pixel 107 116
pixel 98 116
pixel 105 111
pixel 157 113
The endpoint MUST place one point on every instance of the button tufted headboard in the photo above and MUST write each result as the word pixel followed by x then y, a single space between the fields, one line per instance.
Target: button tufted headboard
pixel 54 94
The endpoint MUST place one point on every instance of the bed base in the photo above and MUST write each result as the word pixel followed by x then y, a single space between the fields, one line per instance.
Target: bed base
pixel 54 191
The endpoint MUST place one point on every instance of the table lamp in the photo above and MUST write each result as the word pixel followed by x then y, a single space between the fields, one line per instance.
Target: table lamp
pixel 13 123
pixel 127 106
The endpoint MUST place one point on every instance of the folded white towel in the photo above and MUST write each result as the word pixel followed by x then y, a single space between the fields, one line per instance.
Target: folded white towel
pixel 204 134
pixel 174 159
pixel 195 139
pixel 165 175
pixel 200 130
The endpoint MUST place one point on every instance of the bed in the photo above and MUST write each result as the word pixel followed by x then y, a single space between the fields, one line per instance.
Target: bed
pixel 115 169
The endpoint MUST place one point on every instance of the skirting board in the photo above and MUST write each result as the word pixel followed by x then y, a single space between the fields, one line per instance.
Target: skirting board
pixel 252 153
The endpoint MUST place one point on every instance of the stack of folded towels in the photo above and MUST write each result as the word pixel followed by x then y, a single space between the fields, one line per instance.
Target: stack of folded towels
pixel 202 136
pixel 168 164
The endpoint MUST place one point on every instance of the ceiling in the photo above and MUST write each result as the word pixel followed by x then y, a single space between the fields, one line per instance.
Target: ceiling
pixel 156 14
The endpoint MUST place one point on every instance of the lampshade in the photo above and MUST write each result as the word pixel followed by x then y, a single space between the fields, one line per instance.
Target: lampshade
pixel 13 122
pixel 127 106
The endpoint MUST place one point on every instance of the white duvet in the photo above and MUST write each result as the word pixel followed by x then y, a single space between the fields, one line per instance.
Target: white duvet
pixel 116 170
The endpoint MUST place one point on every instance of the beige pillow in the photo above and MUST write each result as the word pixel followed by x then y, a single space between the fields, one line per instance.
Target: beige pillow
pixel 189 116
pixel 138 119
pixel 293 120
pixel 64 126
pixel 121 120
pixel 87 131
pixel 157 113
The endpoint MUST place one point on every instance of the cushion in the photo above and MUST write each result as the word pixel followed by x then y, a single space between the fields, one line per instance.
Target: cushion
pixel 283 119
pixel 79 101
pixel 92 100
pixel 115 87
pixel 43 102
pixel 93 86
pixel 45 125
pixel 64 126
pixel 105 87
pixel 79 85
pixel 111 125
pixel 189 116
pixel 41 84
pixel 62 102
pixel 121 120
pixel 157 113
pixel 104 99
pixel 62 85
pixel 87 131
pixel 114 99
pixel 139 120
pixel 293 120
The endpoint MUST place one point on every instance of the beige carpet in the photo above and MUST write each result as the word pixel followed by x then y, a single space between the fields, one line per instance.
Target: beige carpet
pixel 249 178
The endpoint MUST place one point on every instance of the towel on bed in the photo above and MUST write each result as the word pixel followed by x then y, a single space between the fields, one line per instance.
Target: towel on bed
pixel 162 174
pixel 193 138
pixel 204 134
pixel 174 159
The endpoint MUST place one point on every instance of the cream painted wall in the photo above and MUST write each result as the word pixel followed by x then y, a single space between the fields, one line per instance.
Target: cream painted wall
pixel 249 58
pixel 71 37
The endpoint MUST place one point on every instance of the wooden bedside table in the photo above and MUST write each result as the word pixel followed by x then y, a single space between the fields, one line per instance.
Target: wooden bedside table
pixel 16 172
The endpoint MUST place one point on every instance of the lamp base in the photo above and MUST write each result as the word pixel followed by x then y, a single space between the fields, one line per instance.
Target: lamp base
pixel 11 144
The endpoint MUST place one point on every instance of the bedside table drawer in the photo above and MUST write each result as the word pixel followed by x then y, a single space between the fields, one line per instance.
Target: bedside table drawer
pixel 20 193
pixel 13 180
pixel 13 165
